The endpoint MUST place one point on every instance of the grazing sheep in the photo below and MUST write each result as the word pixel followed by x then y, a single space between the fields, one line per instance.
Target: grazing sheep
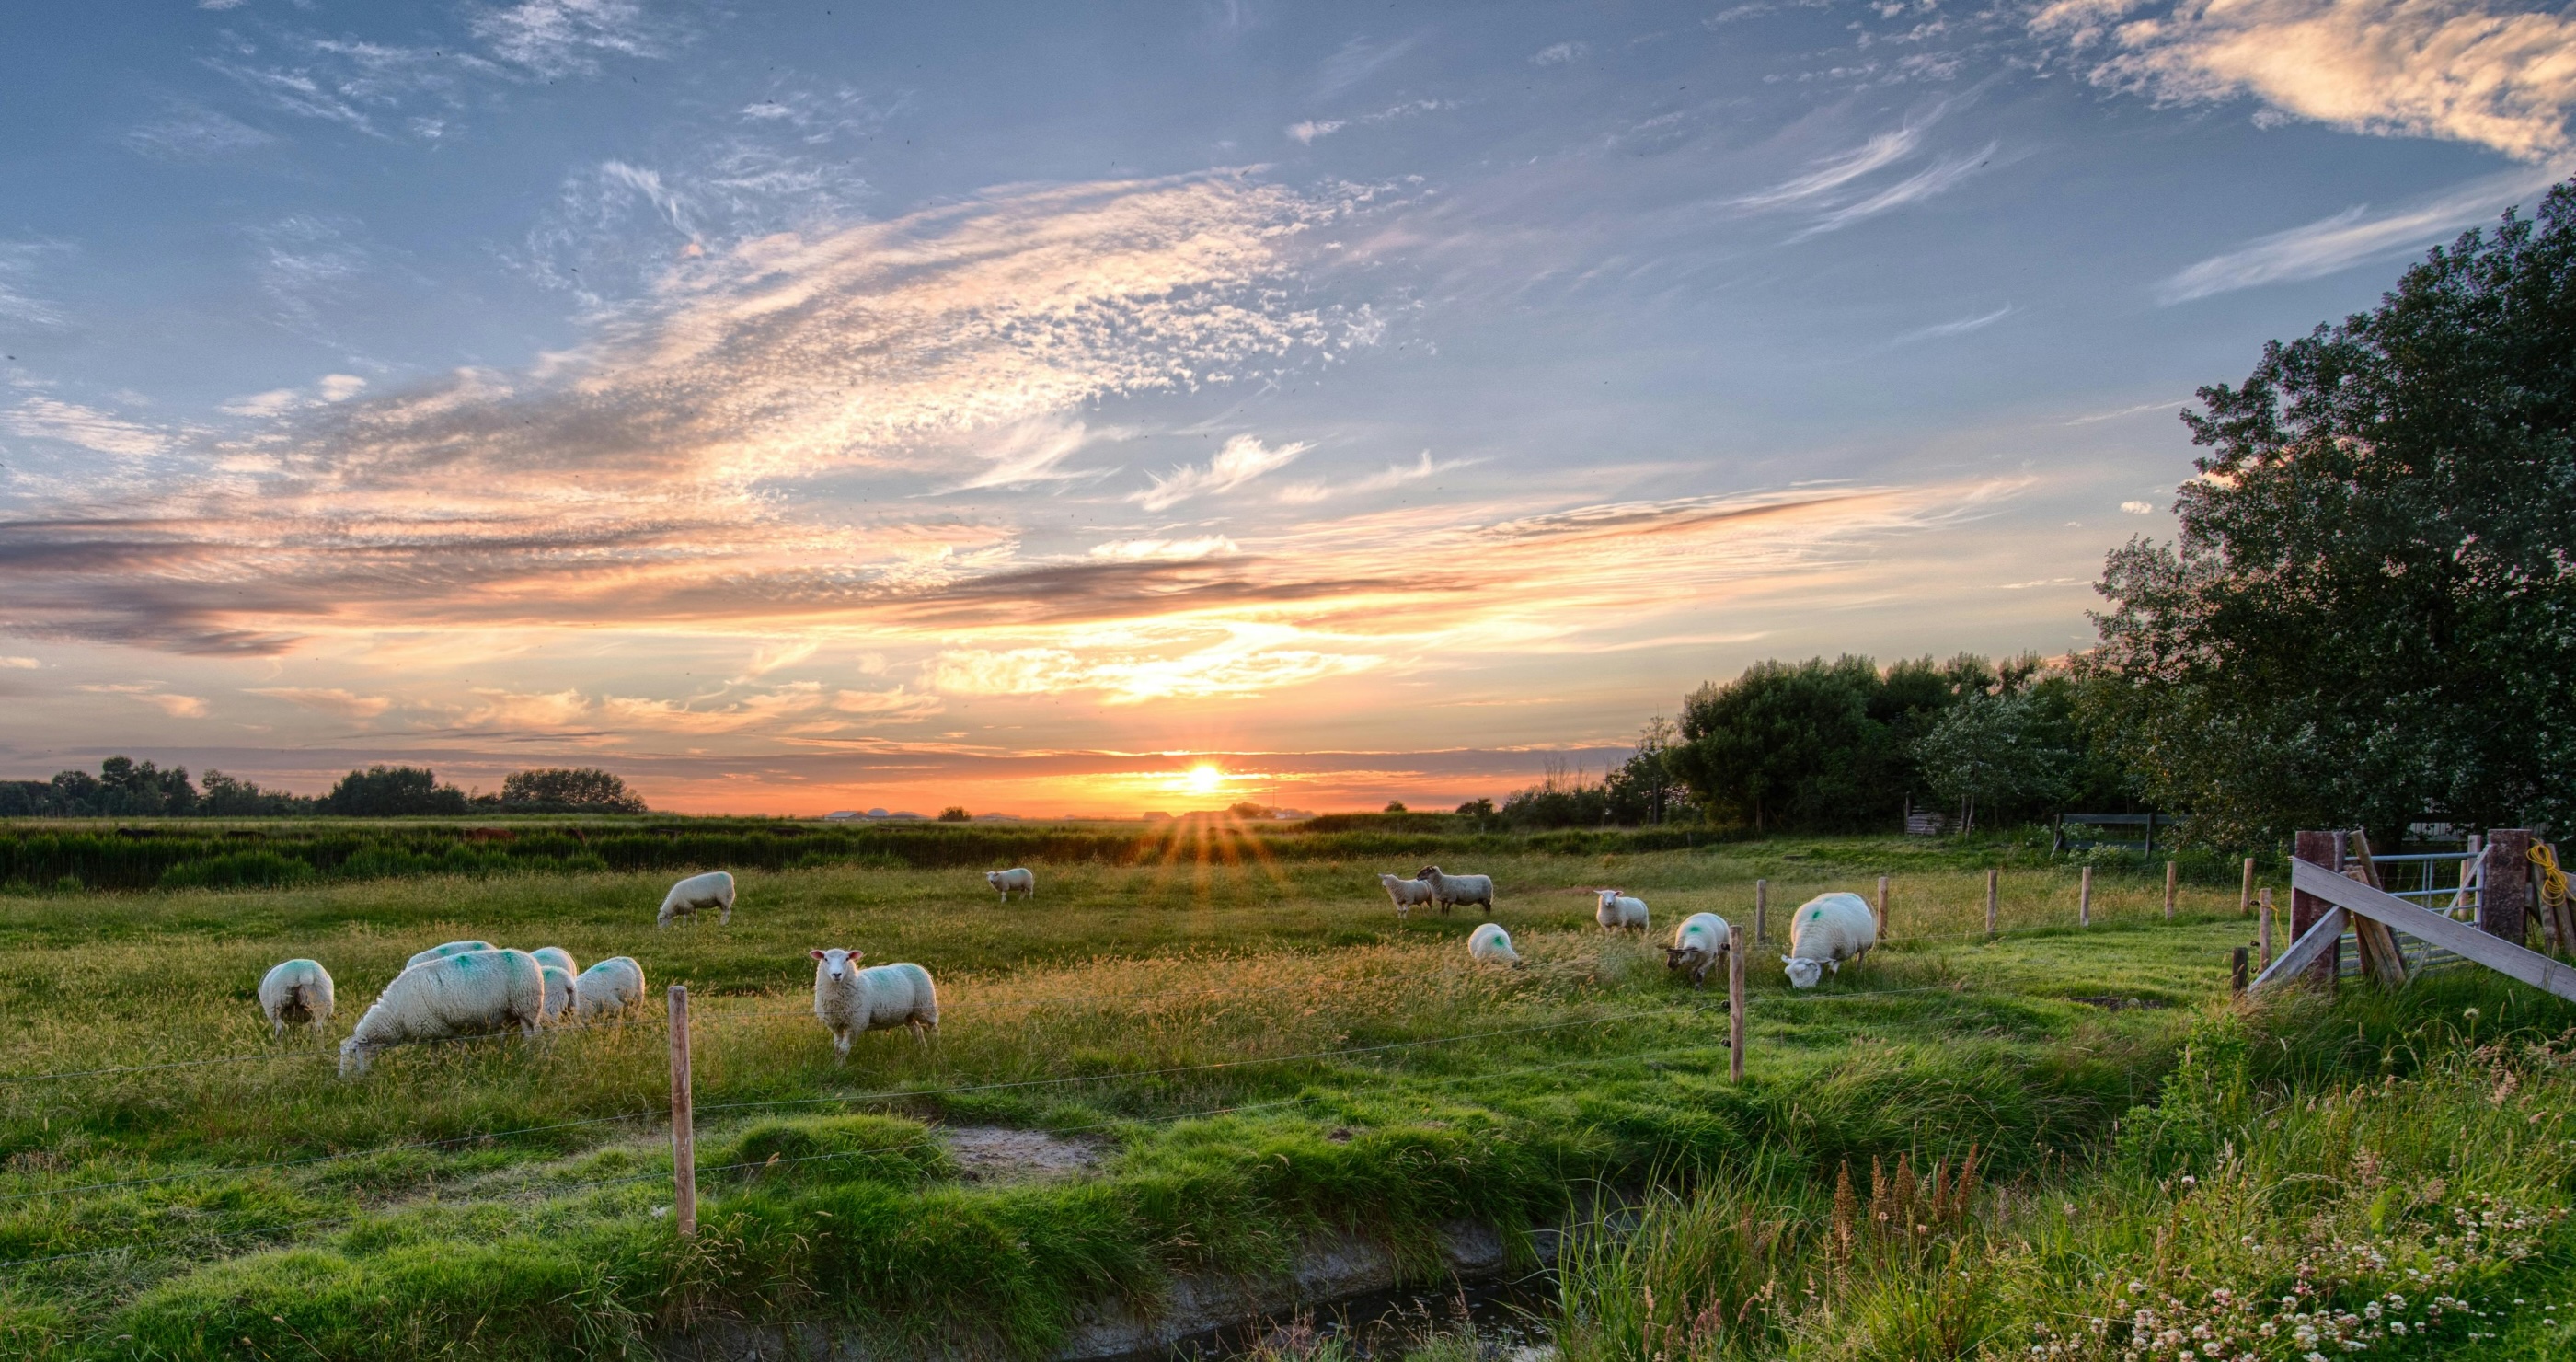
pixel 849 999
pixel 1826 931
pixel 713 889
pixel 561 991
pixel 1406 893
pixel 1491 945
pixel 451 948
pixel 1618 911
pixel 1698 944
pixel 296 993
pixel 1448 890
pixel 614 986
pixel 476 993
pixel 1023 880
pixel 558 957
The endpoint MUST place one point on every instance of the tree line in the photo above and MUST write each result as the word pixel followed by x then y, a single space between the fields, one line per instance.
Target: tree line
pixel 125 788
pixel 2367 619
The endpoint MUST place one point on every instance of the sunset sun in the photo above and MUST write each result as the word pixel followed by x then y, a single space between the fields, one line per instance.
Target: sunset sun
pixel 1203 778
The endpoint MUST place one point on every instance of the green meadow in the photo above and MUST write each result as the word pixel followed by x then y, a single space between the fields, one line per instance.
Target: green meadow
pixel 1229 1049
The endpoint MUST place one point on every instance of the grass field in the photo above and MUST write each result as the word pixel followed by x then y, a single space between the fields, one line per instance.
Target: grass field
pixel 1252 1048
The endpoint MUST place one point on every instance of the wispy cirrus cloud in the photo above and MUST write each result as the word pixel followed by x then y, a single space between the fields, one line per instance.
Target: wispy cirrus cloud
pixel 1831 187
pixel 552 38
pixel 2455 69
pixel 2357 236
pixel 1922 184
pixel 48 418
pixel 1238 461
pixel 331 700
pixel 1960 327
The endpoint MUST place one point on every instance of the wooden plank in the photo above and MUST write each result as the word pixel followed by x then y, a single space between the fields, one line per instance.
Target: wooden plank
pixel 2313 945
pixel 2380 958
pixel 2459 938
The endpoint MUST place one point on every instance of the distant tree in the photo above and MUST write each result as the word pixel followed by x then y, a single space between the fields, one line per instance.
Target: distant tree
pixel 227 797
pixel 1987 749
pixel 1788 745
pixel 1394 806
pixel 1564 797
pixel 1643 790
pixel 2370 613
pixel 567 789
pixel 1477 808
pixel 392 792
pixel 955 813
pixel 1248 809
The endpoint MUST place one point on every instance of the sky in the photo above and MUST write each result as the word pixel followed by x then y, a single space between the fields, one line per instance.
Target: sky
pixel 1096 409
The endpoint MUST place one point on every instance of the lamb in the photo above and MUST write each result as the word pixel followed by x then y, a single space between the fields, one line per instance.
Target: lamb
pixel 1491 945
pixel 1698 944
pixel 560 993
pixel 1619 911
pixel 713 889
pixel 1826 931
pixel 614 986
pixel 1447 890
pixel 849 999
pixel 558 957
pixel 1406 893
pixel 1019 878
pixel 296 993
pixel 476 993
pixel 451 948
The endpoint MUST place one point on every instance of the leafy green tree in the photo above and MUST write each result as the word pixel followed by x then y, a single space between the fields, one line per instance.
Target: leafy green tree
pixel 955 813
pixel 2370 613
pixel 392 792
pixel 228 797
pixel 567 789
pixel 1789 745
pixel 1988 749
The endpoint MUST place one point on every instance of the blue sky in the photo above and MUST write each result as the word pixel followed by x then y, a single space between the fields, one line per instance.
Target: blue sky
pixel 805 406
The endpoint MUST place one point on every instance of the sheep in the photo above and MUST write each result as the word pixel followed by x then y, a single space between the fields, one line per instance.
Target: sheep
pixel 451 948
pixel 1491 945
pixel 848 999
pixel 296 993
pixel 1017 877
pixel 1448 890
pixel 713 889
pixel 476 993
pixel 558 957
pixel 1618 911
pixel 1406 893
pixel 613 986
pixel 1826 931
pixel 561 991
pixel 1699 943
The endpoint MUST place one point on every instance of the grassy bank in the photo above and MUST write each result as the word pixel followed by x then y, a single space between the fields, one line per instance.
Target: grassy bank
pixel 1247 1048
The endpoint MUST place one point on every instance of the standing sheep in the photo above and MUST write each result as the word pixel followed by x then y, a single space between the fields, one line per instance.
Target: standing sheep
pixel 442 952
pixel 1698 944
pixel 713 889
pixel 1017 877
pixel 1826 931
pixel 296 993
pixel 1491 945
pixel 848 999
pixel 1619 912
pixel 560 993
pixel 1449 890
pixel 1406 893
pixel 614 986
pixel 558 957
pixel 476 993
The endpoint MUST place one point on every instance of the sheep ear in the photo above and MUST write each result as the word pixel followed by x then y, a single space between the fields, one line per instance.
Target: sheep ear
pixel 818 955
pixel 858 955
pixel 1788 960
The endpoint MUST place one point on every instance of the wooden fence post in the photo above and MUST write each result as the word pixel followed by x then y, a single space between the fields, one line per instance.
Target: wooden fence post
pixel 2236 972
pixel 2169 890
pixel 1761 911
pixel 684 1135
pixel 2267 930
pixel 1994 880
pixel 2325 849
pixel 1735 1003
pixel 2504 881
pixel 2084 899
pixel 1884 932
pixel 2245 895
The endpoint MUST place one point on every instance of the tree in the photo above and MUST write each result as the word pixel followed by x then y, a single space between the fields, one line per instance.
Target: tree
pixel 1643 791
pixel 567 789
pixel 392 792
pixel 1395 806
pixel 2369 615
pixel 1789 745
pixel 955 813
pixel 1988 749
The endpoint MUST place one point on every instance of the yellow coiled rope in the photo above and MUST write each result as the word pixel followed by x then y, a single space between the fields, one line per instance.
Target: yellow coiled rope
pixel 2553 881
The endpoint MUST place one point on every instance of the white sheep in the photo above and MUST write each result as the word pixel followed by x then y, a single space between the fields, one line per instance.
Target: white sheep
pixel 561 992
pixel 848 999
pixel 558 957
pixel 713 889
pixel 1406 893
pixel 1826 931
pixel 451 948
pixel 1016 878
pixel 1449 890
pixel 1618 912
pixel 476 993
pixel 1701 942
pixel 614 986
pixel 1491 945
pixel 296 993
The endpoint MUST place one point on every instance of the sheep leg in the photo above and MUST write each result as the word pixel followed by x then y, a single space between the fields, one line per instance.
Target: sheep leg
pixel 919 1032
pixel 841 1047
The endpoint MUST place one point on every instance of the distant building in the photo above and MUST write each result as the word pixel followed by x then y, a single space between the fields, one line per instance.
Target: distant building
pixel 840 815
pixel 997 818
pixel 1158 818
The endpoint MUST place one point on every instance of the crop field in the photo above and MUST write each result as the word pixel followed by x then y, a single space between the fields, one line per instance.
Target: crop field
pixel 1176 1066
